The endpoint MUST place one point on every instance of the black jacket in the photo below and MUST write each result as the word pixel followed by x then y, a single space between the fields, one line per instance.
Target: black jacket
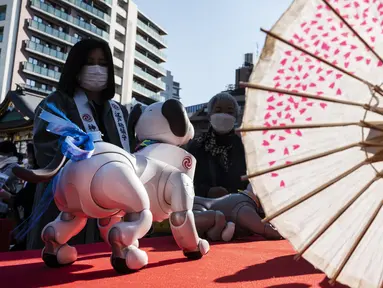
pixel 209 173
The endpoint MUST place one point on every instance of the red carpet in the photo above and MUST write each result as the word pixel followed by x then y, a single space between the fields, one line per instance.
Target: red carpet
pixel 241 264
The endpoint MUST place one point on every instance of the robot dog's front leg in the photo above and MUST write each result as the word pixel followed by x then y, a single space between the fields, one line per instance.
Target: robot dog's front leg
pixel 179 192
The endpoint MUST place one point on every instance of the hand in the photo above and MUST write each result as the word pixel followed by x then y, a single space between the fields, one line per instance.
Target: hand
pixel 216 192
pixel 202 249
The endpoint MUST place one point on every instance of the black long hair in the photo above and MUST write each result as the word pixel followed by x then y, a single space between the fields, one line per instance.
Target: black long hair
pixel 77 58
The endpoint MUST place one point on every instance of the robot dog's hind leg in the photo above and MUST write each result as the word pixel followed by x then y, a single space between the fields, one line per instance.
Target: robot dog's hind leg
pixel 124 191
pixel 56 234
pixel 123 237
pixel 105 224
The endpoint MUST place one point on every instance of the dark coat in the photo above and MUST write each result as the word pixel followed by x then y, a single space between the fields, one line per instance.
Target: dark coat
pixel 209 173
pixel 46 146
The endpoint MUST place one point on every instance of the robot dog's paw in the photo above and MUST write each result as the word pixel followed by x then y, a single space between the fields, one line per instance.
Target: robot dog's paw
pixel 228 232
pixel 135 260
pixel 271 233
pixel 203 249
pixel 66 255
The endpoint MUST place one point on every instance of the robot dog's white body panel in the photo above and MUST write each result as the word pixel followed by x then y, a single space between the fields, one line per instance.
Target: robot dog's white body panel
pixel 154 184
pixel 75 192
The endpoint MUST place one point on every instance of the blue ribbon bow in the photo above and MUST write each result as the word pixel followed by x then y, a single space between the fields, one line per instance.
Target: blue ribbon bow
pixel 72 137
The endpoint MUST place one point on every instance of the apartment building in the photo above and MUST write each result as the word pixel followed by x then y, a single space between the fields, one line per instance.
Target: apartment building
pixel 8 36
pixel 172 87
pixel 38 34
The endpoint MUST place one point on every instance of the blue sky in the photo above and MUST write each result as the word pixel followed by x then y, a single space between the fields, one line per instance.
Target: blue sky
pixel 208 38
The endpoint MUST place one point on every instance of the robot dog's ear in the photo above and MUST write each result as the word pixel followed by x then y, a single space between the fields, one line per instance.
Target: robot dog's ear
pixel 173 112
pixel 134 115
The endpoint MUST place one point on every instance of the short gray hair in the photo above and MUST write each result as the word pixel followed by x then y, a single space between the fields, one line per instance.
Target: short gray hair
pixel 222 96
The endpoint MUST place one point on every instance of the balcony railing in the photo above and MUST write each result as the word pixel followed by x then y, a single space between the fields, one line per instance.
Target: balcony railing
pixel 147 93
pixel 151 32
pixel 151 47
pixel 158 98
pixel 108 2
pixel 53 33
pixel 41 90
pixel 46 51
pixel 150 63
pixel 90 9
pixel 69 19
pixel 195 108
pixel 41 71
pixel 142 74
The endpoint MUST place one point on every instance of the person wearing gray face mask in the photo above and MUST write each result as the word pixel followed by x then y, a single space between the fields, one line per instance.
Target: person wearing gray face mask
pixel 219 152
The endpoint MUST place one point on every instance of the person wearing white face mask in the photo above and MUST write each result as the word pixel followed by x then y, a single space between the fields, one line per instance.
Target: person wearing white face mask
pixel 219 152
pixel 84 94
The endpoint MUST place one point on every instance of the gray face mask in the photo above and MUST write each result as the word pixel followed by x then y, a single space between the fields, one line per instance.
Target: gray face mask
pixel 94 78
pixel 222 123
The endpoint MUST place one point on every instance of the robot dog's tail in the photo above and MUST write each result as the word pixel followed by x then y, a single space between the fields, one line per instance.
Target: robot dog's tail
pixel 41 175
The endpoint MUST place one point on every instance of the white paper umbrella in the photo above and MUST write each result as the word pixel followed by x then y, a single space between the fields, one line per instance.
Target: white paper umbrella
pixel 313 135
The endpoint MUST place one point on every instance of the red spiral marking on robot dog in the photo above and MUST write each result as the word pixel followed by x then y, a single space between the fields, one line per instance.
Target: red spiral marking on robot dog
pixel 187 163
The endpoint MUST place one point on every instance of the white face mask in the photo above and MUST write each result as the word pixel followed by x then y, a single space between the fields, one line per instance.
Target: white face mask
pixel 222 123
pixel 94 78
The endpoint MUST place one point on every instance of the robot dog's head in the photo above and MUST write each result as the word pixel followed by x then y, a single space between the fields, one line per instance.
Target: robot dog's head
pixel 166 122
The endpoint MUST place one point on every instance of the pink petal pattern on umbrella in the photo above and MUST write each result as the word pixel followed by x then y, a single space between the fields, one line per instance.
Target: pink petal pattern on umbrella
pixel 323 37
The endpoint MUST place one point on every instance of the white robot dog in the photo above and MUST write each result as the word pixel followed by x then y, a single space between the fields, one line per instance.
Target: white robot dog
pixel 153 185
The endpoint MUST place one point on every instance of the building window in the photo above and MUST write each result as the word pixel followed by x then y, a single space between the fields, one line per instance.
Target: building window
pixel 32 60
pixel 3 11
pixel 36 40
pixel 31 83
pixel 1 34
pixel 38 19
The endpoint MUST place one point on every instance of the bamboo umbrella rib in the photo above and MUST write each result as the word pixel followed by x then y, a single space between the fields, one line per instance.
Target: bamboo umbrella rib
pixel 314 192
pixel 310 96
pixel 356 243
pixel 271 34
pixel 300 161
pixel 353 30
pixel 335 218
pixel 376 158
pixel 373 125
pixel 373 142
pixel 297 126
